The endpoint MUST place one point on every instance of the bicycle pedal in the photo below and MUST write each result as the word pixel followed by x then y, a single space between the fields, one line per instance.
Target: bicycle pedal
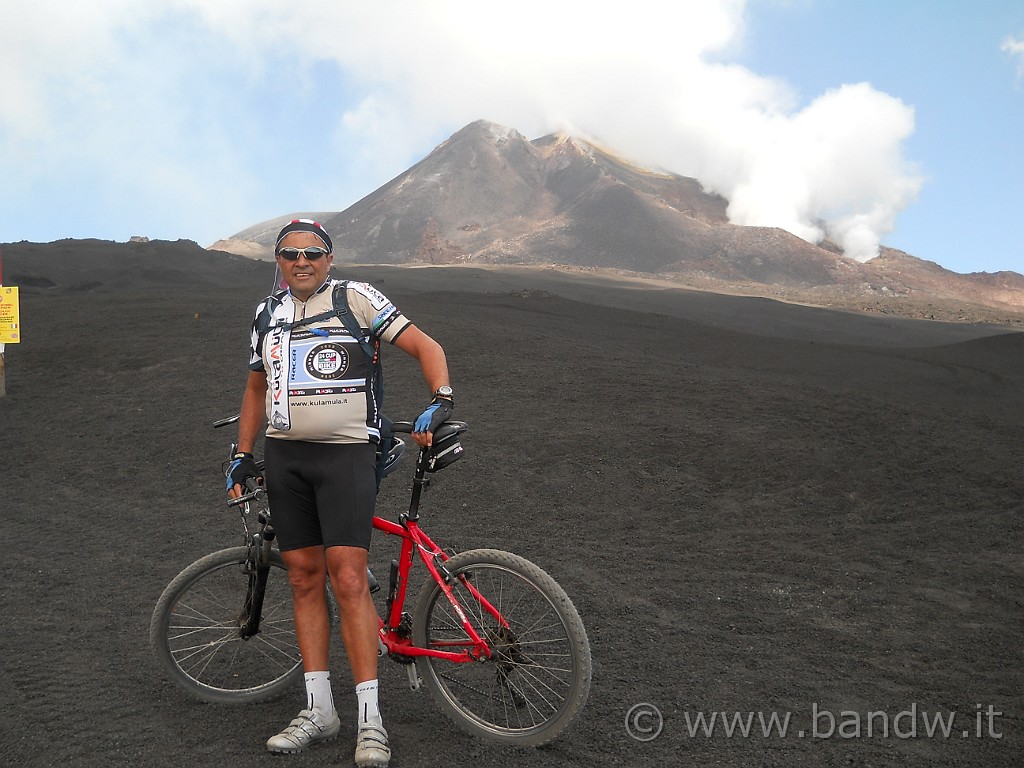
pixel 414 678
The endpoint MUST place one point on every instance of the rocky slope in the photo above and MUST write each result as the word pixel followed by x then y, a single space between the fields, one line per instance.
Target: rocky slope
pixel 488 195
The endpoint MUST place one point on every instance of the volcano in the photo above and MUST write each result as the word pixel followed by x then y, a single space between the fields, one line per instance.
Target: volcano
pixel 488 195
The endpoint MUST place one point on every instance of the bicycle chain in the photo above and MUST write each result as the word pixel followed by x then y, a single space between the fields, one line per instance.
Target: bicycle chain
pixel 469 687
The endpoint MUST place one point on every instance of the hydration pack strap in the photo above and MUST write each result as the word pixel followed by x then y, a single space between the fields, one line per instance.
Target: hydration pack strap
pixel 341 312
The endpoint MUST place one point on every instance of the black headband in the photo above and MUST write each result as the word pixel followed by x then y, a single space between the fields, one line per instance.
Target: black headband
pixel 305 225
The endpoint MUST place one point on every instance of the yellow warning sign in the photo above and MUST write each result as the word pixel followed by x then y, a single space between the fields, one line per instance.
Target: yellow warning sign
pixel 10 325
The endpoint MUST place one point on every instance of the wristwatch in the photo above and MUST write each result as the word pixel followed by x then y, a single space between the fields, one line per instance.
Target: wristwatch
pixel 444 391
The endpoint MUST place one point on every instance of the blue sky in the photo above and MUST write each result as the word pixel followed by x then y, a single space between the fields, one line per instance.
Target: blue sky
pixel 896 122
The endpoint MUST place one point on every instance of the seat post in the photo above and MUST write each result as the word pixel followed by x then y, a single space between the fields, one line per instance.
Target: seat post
pixel 419 482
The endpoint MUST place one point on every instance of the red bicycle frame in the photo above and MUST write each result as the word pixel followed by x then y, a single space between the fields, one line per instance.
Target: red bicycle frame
pixel 415 540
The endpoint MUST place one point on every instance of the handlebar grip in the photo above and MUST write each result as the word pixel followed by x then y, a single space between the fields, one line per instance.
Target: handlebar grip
pixel 255 491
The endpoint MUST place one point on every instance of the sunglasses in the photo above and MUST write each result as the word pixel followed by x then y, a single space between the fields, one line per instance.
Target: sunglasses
pixel 312 253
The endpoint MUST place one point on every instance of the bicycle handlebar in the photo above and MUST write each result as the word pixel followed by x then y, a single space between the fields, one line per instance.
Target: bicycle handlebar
pixel 443 431
pixel 255 491
pixel 404 427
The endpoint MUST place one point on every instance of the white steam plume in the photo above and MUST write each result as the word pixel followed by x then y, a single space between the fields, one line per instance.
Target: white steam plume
pixel 648 78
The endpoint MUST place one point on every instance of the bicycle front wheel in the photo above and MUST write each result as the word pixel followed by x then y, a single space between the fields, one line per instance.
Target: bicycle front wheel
pixel 196 631
pixel 538 677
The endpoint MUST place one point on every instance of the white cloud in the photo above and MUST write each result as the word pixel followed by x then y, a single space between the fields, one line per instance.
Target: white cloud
pixel 119 100
pixel 1015 48
pixel 182 91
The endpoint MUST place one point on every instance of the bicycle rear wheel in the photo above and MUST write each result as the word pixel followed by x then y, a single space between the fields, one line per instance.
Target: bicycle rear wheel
pixel 538 677
pixel 195 631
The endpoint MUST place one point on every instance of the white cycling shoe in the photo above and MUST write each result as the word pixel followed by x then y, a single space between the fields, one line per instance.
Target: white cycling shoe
pixel 372 749
pixel 308 728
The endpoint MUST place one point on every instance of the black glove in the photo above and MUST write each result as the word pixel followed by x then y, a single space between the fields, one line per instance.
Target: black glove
pixel 242 467
pixel 436 414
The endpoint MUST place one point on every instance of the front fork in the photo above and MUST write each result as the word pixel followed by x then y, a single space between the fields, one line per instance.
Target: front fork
pixel 257 565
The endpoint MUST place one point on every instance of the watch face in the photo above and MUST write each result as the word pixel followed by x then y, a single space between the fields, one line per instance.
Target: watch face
pixel 444 391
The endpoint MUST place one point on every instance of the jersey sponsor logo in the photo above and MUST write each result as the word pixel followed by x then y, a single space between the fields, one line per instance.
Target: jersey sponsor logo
pixel 381 329
pixel 377 299
pixel 274 349
pixel 382 316
pixel 327 361
pixel 278 392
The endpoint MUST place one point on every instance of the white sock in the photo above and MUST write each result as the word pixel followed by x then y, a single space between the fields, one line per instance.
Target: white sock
pixel 369 711
pixel 319 696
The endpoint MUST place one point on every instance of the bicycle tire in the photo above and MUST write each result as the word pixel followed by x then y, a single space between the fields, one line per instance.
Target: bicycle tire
pixel 538 678
pixel 194 632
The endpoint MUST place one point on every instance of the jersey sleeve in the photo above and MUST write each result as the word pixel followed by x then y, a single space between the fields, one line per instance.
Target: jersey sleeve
pixel 375 311
pixel 255 340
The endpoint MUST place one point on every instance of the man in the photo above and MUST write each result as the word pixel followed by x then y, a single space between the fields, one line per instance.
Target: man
pixel 314 383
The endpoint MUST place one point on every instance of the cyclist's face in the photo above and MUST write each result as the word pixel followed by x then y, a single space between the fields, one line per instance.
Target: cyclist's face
pixel 304 276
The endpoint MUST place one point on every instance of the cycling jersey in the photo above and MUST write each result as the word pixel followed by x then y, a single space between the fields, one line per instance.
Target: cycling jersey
pixel 318 376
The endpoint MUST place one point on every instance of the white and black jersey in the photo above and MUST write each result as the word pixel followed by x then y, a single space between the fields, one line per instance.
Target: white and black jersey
pixel 318 375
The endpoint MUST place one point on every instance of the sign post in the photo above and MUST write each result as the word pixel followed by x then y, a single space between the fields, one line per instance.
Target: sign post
pixel 10 325
pixel 3 379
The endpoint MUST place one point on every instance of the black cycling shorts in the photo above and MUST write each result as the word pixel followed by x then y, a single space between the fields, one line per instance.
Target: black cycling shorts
pixel 321 493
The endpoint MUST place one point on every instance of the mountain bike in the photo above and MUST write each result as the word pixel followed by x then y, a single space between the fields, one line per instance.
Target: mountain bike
pixel 496 641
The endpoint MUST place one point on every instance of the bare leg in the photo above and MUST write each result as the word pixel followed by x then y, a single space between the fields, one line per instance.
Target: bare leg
pixel 347 568
pixel 306 574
